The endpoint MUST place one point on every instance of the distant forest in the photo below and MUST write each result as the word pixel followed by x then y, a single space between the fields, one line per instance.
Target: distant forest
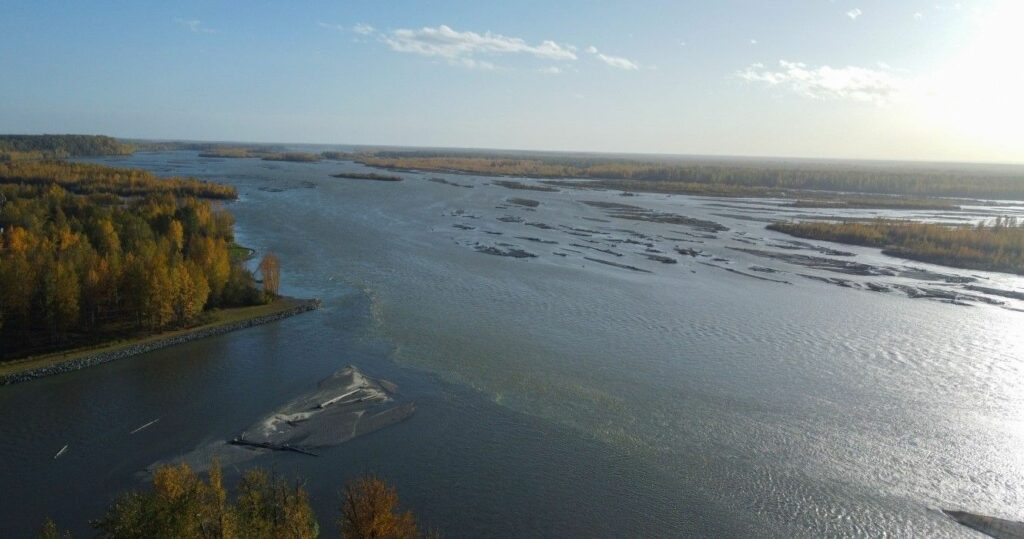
pixel 722 177
pixel 15 147
pixel 89 252
pixel 805 179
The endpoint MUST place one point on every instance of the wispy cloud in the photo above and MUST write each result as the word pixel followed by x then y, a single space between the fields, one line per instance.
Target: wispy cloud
pixel 331 26
pixel 617 62
pixel 854 13
pixel 476 50
pixel 464 48
pixel 473 64
pixel 363 29
pixel 846 83
pixel 195 26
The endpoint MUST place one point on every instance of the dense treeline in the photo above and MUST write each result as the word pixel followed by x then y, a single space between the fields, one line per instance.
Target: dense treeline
pixel 85 178
pixel 13 147
pixel 995 247
pixel 173 146
pixel 260 153
pixel 81 268
pixel 336 156
pixel 299 157
pixel 667 175
pixel 182 505
pixel 229 152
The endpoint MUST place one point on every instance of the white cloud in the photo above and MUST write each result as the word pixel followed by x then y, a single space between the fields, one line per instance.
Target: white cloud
pixel 918 15
pixel 551 70
pixel 854 13
pixel 363 29
pixel 617 62
pixel 195 26
pixel 462 48
pixel 846 83
pixel 753 42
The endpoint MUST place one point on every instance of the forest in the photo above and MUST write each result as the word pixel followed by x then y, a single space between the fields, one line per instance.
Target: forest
pixel 183 505
pixel 998 246
pixel 90 253
pixel 719 177
pixel 17 147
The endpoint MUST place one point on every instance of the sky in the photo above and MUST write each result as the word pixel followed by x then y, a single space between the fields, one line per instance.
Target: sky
pixel 861 79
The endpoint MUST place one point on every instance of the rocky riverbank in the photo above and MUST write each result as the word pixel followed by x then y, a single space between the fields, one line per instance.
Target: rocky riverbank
pixel 131 349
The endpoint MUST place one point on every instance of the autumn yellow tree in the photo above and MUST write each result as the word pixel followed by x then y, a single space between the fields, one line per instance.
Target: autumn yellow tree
pixel 270 269
pixel 183 505
pixel 191 292
pixel 51 531
pixel 370 511
pixel 89 252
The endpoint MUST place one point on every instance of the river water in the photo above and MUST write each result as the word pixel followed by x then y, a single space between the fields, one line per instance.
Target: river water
pixel 729 394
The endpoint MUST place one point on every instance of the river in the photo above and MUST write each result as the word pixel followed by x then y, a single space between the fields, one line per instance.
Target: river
pixel 729 394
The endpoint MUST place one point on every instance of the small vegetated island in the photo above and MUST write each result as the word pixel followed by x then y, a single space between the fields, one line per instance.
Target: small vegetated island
pixel 991 247
pixel 373 176
pixel 260 153
pixel 97 260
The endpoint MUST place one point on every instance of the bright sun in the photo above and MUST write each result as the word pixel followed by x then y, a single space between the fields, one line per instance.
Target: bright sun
pixel 978 93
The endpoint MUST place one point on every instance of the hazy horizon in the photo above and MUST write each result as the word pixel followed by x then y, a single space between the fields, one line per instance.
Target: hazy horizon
pixel 484 149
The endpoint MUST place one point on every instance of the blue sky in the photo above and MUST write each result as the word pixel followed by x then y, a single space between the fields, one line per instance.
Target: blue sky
pixel 929 80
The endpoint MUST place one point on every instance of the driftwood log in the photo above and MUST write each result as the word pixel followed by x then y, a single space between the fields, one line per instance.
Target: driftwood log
pixel 271 446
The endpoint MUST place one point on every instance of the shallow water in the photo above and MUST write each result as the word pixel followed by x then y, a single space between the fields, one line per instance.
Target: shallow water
pixel 556 395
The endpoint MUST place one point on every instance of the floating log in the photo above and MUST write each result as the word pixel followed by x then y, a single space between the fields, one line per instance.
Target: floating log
pixel 272 446
pixel 144 426
pixel 329 402
pixel 61 452
pixel 991 526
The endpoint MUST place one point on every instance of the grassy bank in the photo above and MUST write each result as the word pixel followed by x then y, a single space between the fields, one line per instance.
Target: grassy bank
pixel 214 323
pixel 240 253
pixel 841 201
pixel 999 247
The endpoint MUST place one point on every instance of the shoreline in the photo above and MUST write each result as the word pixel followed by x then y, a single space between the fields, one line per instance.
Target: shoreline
pixel 32 368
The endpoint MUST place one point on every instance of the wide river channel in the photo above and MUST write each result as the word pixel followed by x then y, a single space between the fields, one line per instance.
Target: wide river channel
pixel 746 388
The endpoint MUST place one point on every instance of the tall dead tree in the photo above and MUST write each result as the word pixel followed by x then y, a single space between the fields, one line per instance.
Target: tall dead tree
pixel 270 270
